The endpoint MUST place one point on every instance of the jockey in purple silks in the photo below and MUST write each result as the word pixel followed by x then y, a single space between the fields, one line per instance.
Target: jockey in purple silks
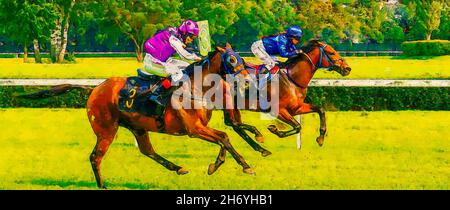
pixel 160 48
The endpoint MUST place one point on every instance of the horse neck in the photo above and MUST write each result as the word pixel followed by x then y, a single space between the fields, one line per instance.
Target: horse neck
pixel 213 66
pixel 302 72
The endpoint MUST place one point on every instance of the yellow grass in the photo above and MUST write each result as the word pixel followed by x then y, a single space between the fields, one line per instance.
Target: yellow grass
pixel 49 149
pixel 362 68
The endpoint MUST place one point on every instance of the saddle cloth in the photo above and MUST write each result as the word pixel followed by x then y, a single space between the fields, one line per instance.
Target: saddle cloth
pixel 130 99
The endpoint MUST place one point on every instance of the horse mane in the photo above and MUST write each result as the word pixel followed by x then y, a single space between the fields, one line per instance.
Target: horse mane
pixel 306 49
pixel 190 69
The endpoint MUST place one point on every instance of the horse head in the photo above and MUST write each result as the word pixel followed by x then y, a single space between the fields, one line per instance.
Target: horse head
pixel 232 63
pixel 322 55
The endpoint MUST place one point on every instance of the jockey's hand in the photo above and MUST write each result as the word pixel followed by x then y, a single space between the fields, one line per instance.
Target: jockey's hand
pixel 198 59
pixel 299 51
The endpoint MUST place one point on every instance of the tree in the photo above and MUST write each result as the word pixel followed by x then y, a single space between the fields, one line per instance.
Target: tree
pixel 58 41
pixel 27 21
pixel 426 14
pixel 137 19
pixel 392 27
pixel 371 15
pixel 444 29
pixel 221 15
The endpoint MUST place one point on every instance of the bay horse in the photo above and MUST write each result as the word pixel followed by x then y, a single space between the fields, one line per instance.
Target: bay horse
pixel 105 117
pixel 294 79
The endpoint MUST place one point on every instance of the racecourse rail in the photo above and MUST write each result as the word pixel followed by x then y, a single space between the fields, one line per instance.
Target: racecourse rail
pixel 314 82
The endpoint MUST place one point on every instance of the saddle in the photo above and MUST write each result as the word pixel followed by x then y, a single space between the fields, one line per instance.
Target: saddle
pixel 263 76
pixel 262 70
pixel 133 97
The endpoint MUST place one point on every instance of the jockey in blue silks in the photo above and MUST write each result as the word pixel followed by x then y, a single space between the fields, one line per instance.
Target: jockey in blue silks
pixel 278 45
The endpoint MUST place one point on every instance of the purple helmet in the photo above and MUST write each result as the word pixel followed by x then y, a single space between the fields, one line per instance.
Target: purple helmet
pixel 189 27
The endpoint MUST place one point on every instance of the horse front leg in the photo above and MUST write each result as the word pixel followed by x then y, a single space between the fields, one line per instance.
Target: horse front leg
pixel 308 108
pixel 234 121
pixel 232 117
pixel 286 117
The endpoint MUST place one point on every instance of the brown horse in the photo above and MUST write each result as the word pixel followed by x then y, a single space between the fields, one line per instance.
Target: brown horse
pixel 105 117
pixel 293 86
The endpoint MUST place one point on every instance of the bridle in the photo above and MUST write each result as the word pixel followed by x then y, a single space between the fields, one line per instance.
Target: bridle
pixel 315 66
pixel 227 70
pixel 223 63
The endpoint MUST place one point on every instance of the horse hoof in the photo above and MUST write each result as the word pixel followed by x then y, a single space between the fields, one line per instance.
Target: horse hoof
pixel 265 153
pixel 272 128
pixel 249 171
pixel 260 139
pixel 320 140
pixel 182 171
pixel 211 168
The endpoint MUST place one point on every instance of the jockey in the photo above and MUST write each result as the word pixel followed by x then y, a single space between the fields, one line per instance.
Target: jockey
pixel 282 44
pixel 162 46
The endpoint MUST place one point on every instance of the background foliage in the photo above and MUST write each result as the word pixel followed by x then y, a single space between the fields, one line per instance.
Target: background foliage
pixel 110 25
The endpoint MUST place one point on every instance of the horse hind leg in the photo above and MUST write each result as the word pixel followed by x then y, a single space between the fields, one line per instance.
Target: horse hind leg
pixel 219 161
pixel 100 149
pixel 146 148
pixel 105 127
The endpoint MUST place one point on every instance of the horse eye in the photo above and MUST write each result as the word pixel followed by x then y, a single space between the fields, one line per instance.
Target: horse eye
pixel 233 60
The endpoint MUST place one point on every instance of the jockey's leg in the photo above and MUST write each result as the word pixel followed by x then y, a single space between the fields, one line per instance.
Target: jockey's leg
pixel 259 51
pixel 172 67
pixel 175 68
pixel 179 63
pixel 269 62
pixel 153 66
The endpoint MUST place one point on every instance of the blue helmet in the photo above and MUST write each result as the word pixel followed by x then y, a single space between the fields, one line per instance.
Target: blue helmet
pixel 294 31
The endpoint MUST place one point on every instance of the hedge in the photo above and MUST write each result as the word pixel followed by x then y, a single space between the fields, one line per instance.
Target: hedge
pixel 380 98
pixel 426 48
pixel 331 98
pixel 71 99
pixel 7 56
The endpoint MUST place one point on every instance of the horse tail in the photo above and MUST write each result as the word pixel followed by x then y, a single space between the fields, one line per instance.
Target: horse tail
pixel 56 90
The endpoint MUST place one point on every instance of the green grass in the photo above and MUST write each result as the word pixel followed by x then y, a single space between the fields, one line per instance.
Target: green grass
pixel 49 149
pixel 362 68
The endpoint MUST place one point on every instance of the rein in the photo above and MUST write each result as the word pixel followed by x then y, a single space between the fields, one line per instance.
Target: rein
pixel 315 66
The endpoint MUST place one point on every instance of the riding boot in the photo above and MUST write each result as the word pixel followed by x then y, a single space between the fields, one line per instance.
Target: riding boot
pixel 157 94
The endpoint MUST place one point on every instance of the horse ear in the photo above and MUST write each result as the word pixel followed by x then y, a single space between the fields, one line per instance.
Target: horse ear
pixel 228 46
pixel 220 49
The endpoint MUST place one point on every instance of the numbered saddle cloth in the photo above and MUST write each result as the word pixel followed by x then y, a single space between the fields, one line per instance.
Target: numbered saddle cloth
pixel 131 100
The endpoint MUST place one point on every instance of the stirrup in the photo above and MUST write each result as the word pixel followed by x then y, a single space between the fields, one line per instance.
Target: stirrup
pixel 157 99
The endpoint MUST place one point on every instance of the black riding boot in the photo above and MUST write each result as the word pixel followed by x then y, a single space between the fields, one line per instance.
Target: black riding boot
pixel 157 96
